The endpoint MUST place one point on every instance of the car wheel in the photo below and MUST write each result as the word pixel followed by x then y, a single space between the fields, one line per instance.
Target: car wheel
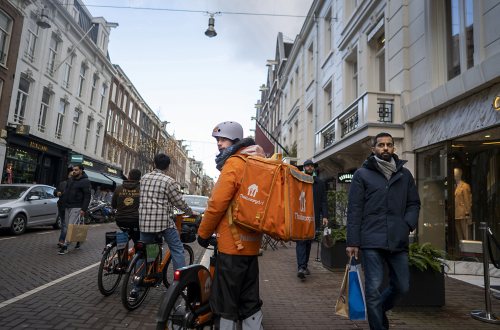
pixel 18 224
pixel 58 223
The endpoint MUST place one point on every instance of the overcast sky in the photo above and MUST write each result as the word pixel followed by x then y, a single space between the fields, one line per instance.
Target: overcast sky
pixel 188 79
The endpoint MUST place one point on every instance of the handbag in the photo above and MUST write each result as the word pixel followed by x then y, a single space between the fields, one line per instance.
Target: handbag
pixel 342 304
pixel 77 232
pixel 356 293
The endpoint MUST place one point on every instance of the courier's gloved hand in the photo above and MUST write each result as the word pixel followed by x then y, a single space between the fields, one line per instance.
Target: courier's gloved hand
pixel 204 242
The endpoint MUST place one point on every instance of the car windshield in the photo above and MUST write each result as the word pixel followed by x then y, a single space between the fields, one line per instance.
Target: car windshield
pixel 200 201
pixel 11 192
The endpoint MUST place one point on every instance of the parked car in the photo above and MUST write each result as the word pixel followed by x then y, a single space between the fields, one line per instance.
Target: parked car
pixel 27 205
pixel 197 203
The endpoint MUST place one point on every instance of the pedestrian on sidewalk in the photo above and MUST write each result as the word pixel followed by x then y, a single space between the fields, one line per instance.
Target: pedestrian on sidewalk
pixel 126 202
pixel 76 199
pixel 235 289
pixel 303 248
pixel 383 209
pixel 61 206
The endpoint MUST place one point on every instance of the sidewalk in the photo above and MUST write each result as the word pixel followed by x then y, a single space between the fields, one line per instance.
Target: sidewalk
pixel 290 303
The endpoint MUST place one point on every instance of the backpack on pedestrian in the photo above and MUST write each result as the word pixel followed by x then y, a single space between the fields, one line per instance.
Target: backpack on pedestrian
pixel 274 198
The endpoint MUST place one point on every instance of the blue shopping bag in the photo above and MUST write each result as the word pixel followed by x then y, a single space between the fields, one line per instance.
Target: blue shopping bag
pixel 356 293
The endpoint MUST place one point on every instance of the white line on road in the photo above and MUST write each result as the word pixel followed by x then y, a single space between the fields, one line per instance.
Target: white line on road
pixel 1 239
pixel 45 232
pixel 40 288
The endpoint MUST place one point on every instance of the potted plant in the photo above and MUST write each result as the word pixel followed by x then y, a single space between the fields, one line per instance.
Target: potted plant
pixel 426 276
pixel 333 241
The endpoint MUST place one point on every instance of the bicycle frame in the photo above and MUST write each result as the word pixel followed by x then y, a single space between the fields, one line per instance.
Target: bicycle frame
pixel 153 268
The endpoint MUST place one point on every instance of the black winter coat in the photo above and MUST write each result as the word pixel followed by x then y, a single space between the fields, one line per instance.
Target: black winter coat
pixel 126 201
pixel 320 202
pixel 77 193
pixel 381 213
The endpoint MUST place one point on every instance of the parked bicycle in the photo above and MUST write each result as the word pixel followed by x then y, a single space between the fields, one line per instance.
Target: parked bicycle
pixel 114 261
pixel 186 302
pixel 149 267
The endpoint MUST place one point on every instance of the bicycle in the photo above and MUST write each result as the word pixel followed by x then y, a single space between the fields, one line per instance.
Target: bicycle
pixel 148 268
pixel 186 302
pixel 114 261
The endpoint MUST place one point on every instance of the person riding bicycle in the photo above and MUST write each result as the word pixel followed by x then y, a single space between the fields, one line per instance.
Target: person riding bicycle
pixel 235 290
pixel 126 202
pixel 159 194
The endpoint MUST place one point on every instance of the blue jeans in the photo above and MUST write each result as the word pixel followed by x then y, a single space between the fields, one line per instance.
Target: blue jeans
pixel 377 301
pixel 171 236
pixel 303 250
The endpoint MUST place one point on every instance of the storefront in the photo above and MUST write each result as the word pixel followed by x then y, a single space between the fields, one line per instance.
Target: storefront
pixel 458 178
pixel 33 159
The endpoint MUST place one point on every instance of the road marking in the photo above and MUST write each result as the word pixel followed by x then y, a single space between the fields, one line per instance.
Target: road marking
pixel 40 288
pixel 1 239
pixel 45 232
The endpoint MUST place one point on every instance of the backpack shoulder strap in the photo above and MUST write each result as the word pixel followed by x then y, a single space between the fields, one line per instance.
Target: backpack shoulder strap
pixel 232 227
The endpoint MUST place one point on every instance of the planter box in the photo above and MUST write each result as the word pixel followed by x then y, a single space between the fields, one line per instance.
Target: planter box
pixel 334 257
pixel 426 289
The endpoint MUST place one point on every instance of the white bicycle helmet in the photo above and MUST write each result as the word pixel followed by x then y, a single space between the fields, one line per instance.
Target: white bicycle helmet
pixel 229 129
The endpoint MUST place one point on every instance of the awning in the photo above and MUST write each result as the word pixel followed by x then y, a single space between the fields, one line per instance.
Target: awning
pixel 116 179
pixel 98 177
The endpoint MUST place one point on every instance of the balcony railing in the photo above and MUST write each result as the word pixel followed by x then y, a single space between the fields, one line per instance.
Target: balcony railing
pixel 370 108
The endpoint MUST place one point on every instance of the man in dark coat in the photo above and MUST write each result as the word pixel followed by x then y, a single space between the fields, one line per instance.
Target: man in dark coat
pixel 383 209
pixel 303 248
pixel 61 207
pixel 76 199
pixel 126 202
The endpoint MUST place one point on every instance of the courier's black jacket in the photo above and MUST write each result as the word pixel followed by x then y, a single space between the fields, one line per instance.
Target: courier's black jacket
pixel 126 201
pixel 381 213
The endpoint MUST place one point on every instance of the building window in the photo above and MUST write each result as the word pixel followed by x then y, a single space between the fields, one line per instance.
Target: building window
pixel 87 131
pixel 22 98
pixel 310 62
pixel 44 107
pixel 67 71
pixel 60 118
pixel 328 102
pixel 5 32
pixel 31 40
pixel 376 43
pixel 97 137
pixel 120 130
pixel 95 80
pixel 115 126
pixel 81 80
pixel 110 119
pixel 76 121
pixel 328 33
pixel 53 48
pixel 104 90
pixel 460 36
pixel 352 76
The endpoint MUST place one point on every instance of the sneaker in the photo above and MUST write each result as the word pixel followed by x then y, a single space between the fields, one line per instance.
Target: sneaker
pixel 77 246
pixel 63 250
pixel 60 245
pixel 301 273
pixel 307 272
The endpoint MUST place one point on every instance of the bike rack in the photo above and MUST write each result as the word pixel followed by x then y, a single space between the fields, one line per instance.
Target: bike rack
pixel 485 315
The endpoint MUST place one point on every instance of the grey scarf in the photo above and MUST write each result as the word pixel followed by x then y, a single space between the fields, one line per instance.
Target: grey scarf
pixel 387 168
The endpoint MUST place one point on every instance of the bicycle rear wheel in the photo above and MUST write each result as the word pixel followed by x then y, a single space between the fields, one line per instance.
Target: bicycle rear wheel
pixel 168 270
pixel 176 309
pixel 109 274
pixel 133 290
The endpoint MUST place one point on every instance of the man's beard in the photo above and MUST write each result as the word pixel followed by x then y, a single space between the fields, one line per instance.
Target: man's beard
pixel 385 156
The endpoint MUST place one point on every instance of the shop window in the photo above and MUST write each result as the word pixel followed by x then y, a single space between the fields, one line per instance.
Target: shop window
pixel 23 164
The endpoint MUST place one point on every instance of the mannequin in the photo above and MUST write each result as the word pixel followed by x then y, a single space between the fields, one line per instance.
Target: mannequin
pixel 463 205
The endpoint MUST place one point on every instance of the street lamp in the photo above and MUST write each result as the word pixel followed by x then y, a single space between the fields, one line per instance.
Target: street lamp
pixel 43 20
pixel 210 32
pixel 263 88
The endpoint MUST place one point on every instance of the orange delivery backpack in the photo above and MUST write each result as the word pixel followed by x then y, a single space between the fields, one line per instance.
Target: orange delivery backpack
pixel 274 198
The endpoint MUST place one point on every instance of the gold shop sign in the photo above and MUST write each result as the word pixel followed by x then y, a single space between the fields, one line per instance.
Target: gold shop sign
pixel 38 146
pixel 23 129
pixel 112 170
pixel 87 163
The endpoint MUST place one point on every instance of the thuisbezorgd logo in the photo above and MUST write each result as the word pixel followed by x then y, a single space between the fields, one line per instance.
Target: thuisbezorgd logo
pixel 252 191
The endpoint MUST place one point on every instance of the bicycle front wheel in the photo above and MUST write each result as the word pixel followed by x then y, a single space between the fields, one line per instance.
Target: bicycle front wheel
pixel 133 290
pixel 177 307
pixel 168 270
pixel 109 274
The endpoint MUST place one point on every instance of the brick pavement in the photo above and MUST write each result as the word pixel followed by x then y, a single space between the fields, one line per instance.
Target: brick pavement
pixel 290 303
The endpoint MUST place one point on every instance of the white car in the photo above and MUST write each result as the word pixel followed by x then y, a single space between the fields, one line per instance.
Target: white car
pixel 27 205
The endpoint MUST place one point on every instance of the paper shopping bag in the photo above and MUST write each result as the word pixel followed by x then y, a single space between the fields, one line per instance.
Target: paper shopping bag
pixel 342 305
pixel 77 233
pixel 356 296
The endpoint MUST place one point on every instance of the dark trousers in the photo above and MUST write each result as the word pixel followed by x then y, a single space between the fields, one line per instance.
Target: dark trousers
pixel 303 250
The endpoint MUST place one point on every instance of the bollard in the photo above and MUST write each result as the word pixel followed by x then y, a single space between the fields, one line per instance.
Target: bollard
pixel 487 315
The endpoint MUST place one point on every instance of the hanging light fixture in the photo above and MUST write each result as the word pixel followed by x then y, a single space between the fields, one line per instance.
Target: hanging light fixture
pixel 43 20
pixel 210 32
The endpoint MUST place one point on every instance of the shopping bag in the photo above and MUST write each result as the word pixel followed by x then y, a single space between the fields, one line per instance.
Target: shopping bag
pixel 356 296
pixel 342 305
pixel 77 232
